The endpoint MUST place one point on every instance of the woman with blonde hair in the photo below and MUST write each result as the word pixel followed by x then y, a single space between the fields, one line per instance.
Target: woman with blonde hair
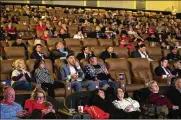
pixel 21 78
pixel 38 105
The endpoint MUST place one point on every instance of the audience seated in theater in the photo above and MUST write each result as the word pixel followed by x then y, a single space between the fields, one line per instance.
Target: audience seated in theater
pixel 99 73
pixel 79 35
pixel 174 55
pixel 9 108
pixel 72 72
pixel 160 99
pixel 50 29
pixel 38 107
pixel 152 38
pixel 40 27
pixel 141 53
pixel 97 33
pixel 127 104
pixel 124 43
pixel 100 100
pixel 60 51
pixel 45 36
pixel 37 54
pixel 86 53
pixel 138 43
pixel 174 94
pixel 164 45
pixel 21 78
pixel 19 43
pixel 177 68
pixel 11 31
pixel 163 70
pixel 42 76
pixel 108 53
pixel 62 34
pixel 125 37
pixel 15 19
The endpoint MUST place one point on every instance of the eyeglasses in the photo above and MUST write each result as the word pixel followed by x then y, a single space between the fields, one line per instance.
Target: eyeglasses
pixel 40 97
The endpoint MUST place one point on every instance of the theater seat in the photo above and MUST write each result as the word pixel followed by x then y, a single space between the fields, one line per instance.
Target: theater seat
pixel 105 42
pixel 97 50
pixel 51 42
pixel 121 52
pixel 6 71
pixel 115 67
pixel 44 50
pixel 76 50
pixel 165 52
pixel 66 89
pixel 70 42
pixel 140 69
pixel 90 42
pixel 31 43
pixel 155 53
pixel 14 52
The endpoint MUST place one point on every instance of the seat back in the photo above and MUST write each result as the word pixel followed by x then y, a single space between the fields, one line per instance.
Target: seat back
pixel 90 42
pixel 165 52
pixel 52 41
pixel 14 52
pixel 97 50
pixel 6 69
pixel 116 66
pixel 70 42
pixel 155 52
pixel 57 64
pixel 121 52
pixel 76 50
pixel 140 69
pixel 32 43
pixel 105 42
pixel 153 65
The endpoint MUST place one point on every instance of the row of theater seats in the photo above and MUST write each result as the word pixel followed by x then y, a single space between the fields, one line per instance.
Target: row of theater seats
pixel 19 52
pixel 137 71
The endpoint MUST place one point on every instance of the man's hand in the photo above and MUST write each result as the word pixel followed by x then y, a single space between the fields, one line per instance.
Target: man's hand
pixel 74 76
pixel 175 107
pixel 22 113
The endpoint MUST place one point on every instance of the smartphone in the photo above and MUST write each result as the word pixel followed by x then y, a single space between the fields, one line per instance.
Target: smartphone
pixel 121 76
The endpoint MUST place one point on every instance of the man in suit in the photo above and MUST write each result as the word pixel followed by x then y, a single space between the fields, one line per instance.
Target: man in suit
pixel 141 53
pixel 86 53
pixel 72 72
pixel 60 52
pixel 163 70
pixel 174 94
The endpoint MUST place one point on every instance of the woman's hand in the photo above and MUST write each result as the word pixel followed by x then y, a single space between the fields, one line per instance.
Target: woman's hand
pixel 174 107
pixel 128 108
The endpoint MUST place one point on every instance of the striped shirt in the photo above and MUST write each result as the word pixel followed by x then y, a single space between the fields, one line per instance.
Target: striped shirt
pixel 42 75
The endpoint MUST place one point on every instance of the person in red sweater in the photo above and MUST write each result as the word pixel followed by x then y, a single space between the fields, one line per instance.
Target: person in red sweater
pixel 40 27
pixel 159 99
pixel 45 36
pixel 11 31
pixel 38 102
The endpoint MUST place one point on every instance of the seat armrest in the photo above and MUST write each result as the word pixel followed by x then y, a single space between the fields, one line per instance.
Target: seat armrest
pixel 159 79
pixel 67 86
pixel 139 80
pixel 64 112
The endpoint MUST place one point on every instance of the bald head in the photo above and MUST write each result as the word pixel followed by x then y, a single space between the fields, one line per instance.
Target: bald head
pixel 9 94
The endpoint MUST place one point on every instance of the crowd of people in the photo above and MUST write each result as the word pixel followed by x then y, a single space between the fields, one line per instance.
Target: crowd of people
pixel 133 32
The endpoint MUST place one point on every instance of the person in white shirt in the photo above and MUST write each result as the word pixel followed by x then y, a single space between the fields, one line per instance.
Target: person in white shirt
pixel 127 104
pixel 79 35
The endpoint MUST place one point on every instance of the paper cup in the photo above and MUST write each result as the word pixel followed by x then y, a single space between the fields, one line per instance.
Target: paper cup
pixel 80 109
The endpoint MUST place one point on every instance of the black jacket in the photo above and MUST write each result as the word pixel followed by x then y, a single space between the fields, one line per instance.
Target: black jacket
pixel 105 55
pixel 159 71
pixel 81 56
pixel 172 56
pixel 35 55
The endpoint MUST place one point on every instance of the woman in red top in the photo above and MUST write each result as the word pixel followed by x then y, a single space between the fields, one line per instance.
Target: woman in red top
pixel 11 31
pixel 40 27
pixel 38 102
pixel 45 36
